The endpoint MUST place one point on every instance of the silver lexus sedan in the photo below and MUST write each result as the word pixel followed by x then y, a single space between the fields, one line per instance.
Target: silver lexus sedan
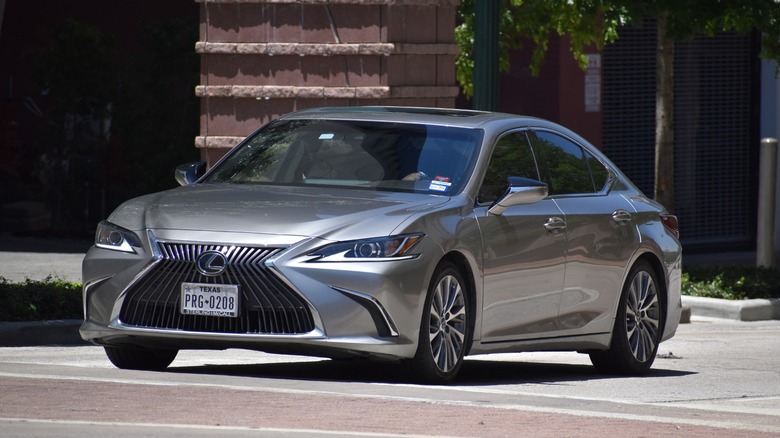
pixel 418 235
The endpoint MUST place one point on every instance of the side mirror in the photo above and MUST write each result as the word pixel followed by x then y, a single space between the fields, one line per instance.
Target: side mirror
pixel 521 191
pixel 187 174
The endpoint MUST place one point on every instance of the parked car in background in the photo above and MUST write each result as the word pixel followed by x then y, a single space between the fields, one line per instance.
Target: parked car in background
pixel 418 235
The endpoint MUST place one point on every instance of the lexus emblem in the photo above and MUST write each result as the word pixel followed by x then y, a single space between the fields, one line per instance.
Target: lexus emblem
pixel 211 263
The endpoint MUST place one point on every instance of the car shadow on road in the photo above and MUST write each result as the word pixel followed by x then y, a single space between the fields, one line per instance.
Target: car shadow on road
pixel 475 372
pixel 491 372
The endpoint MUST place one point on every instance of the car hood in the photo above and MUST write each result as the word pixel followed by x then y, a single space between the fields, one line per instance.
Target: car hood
pixel 301 211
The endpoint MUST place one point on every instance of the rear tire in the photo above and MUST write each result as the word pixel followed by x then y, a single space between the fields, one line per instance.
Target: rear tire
pixel 445 331
pixel 146 359
pixel 638 325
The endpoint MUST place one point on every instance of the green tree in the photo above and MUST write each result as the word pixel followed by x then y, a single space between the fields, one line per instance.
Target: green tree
pixel 156 115
pixel 75 71
pixel 594 23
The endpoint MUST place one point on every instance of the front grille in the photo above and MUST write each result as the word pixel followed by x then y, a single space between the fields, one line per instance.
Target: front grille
pixel 268 305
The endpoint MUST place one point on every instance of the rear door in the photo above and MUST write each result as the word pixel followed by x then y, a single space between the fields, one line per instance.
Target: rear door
pixel 601 235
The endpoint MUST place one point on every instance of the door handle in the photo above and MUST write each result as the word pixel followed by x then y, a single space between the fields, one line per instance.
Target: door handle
pixel 555 225
pixel 621 217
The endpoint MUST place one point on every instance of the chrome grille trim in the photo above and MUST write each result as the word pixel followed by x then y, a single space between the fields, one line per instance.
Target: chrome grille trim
pixel 268 305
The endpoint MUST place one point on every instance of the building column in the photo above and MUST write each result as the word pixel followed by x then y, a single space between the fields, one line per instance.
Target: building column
pixel 261 59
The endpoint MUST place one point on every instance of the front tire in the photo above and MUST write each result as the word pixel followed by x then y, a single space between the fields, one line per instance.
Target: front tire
pixel 637 330
pixel 145 359
pixel 445 331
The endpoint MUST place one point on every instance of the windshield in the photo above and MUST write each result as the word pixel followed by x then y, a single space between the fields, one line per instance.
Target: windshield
pixel 359 154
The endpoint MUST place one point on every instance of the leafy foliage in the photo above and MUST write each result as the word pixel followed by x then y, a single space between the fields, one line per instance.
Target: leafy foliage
pixel 76 72
pixel 732 282
pixel 586 22
pixel 77 66
pixel 594 23
pixel 35 300
pixel 156 113
pixel 118 122
pixel 710 288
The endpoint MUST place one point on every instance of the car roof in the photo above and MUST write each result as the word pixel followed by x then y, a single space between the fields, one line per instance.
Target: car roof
pixel 405 114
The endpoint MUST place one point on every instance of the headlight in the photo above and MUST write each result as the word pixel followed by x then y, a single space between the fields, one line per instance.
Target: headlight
pixel 110 236
pixel 377 249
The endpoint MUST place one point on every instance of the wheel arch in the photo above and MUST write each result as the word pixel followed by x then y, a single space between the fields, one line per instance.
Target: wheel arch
pixel 622 357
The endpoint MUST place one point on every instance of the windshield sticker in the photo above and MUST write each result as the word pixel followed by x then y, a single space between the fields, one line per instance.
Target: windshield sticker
pixel 440 184
pixel 326 136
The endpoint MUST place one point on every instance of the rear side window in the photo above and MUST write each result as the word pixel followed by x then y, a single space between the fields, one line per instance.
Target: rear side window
pixel 598 172
pixel 567 168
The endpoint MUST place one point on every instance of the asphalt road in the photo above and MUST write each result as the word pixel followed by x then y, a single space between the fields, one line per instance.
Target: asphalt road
pixel 716 378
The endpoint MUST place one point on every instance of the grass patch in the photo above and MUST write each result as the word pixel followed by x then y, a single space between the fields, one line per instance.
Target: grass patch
pixel 34 300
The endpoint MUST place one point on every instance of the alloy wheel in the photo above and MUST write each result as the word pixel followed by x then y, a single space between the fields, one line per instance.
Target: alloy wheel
pixel 642 316
pixel 448 322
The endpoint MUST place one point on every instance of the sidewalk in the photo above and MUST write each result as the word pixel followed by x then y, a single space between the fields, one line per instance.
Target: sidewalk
pixel 22 258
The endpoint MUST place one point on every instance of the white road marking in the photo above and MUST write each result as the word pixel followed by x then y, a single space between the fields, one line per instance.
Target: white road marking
pixel 223 429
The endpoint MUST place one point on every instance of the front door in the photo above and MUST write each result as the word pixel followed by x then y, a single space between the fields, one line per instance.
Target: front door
pixel 523 249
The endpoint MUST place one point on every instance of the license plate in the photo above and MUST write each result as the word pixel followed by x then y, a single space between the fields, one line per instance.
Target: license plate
pixel 209 299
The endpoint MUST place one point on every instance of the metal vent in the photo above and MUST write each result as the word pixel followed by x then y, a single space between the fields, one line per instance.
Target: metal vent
pixel 713 121
pixel 268 305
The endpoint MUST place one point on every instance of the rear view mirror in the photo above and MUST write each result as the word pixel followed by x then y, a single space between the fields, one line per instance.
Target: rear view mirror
pixel 187 174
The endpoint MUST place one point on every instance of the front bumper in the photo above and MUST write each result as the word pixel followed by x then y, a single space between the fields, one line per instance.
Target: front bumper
pixel 289 303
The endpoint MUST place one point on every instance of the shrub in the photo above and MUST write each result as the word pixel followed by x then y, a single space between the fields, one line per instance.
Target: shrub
pixel 35 300
pixel 731 282
pixel 714 288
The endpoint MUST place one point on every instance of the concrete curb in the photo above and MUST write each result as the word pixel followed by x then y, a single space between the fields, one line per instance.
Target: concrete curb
pixel 743 310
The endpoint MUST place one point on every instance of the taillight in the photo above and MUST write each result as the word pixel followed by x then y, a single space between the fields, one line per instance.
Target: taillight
pixel 671 224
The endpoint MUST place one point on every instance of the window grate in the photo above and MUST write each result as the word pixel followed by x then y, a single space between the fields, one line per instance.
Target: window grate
pixel 713 128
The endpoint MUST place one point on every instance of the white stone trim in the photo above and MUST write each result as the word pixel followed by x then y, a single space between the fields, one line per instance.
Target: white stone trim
pixel 293 92
pixel 344 2
pixel 324 49
pixel 217 142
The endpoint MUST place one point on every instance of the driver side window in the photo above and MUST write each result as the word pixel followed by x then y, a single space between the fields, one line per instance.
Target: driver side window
pixel 512 156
